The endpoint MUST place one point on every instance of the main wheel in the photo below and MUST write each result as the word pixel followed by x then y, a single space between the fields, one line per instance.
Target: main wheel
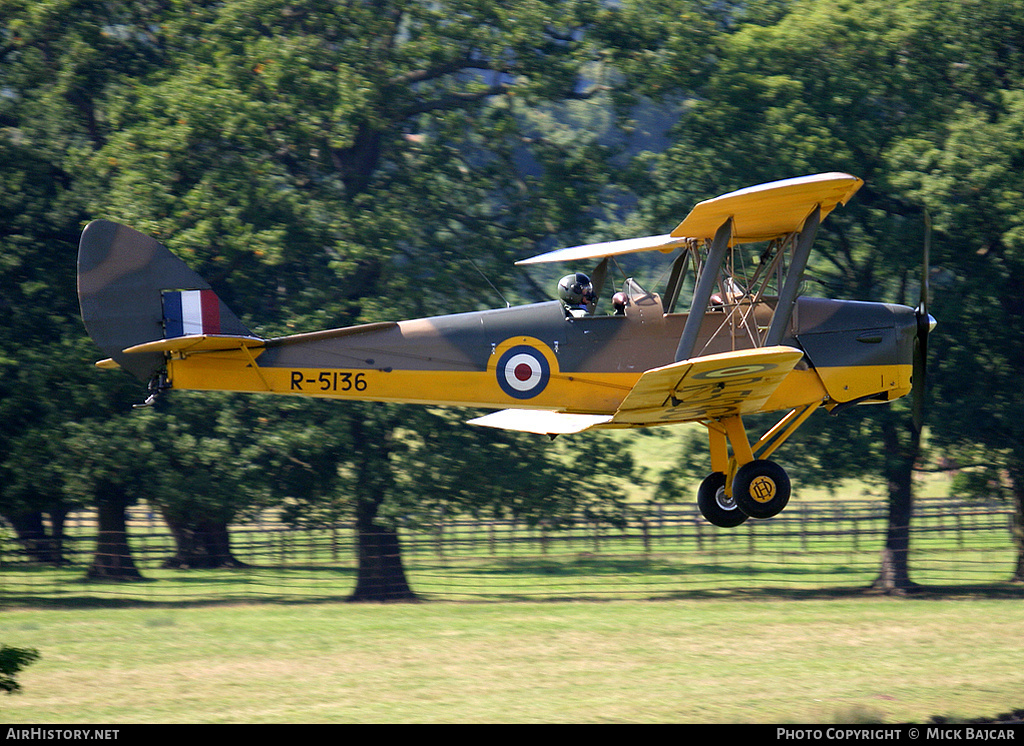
pixel 715 506
pixel 761 489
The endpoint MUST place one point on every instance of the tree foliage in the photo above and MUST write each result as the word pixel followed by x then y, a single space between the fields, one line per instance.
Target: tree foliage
pixel 322 164
pixel 12 661
pixel 923 103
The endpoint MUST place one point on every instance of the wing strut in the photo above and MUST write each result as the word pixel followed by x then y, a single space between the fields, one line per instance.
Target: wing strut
pixel 597 278
pixel 675 280
pixel 787 295
pixel 702 293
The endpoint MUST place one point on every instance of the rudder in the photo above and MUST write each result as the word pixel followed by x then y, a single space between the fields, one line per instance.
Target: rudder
pixel 132 290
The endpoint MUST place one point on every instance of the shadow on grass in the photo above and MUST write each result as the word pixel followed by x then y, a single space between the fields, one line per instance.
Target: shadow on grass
pixel 68 601
pixel 309 584
pixel 630 567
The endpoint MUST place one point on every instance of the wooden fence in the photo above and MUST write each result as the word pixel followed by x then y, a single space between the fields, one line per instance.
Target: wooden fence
pixel 661 550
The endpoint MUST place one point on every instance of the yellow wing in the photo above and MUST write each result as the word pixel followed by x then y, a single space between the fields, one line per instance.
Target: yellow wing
pixel 729 383
pixel 767 211
pixel 759 213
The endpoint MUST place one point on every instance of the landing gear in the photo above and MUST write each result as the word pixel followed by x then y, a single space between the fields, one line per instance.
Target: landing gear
pixel 718 508
pixel 760 489
pixel 744 482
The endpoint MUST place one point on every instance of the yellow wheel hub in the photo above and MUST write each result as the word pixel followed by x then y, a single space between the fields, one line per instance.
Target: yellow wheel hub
pixel 762 489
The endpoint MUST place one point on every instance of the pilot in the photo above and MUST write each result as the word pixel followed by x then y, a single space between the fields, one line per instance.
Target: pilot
pixel 576 291
pixel 619 303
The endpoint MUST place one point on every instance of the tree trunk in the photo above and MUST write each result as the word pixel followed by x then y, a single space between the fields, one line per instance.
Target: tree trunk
pixel 380 574
pixel 31 533
pixel 200 544
pixel 113 559
pixel 901 454
pixel 1017 525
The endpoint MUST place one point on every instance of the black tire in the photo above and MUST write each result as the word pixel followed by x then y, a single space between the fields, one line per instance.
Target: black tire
pixel 715 506
pixel 761 489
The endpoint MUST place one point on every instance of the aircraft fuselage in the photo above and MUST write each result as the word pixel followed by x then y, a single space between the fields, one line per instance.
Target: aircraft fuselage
pixel 536 356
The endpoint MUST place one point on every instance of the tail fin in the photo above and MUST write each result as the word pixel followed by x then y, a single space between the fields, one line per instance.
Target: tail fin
pixel 133 290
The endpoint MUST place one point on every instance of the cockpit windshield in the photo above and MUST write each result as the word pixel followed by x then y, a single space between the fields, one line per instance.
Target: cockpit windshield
pixel 633 290
pixel 639 303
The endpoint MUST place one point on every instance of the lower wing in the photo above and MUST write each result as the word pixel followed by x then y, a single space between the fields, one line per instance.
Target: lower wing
pixel 703 388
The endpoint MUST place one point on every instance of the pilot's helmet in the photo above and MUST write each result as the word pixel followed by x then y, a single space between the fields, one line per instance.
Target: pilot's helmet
pixel 575 289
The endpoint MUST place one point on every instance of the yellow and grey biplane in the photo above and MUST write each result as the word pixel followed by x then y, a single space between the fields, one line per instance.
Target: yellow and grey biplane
pixel 749 343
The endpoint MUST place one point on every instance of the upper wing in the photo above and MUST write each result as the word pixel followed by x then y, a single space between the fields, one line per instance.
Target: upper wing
pixel 729 383
pixel 759 213
pixel 663 243
pixel 767 211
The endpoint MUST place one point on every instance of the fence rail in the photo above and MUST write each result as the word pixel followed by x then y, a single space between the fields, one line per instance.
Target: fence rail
pixel 663 550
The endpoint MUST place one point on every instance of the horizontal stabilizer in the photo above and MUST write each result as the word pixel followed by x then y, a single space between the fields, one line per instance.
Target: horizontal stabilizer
pixel 540 421
pixel 196 343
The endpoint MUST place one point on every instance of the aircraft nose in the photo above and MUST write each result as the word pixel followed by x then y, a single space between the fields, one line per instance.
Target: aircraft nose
pixel 932 323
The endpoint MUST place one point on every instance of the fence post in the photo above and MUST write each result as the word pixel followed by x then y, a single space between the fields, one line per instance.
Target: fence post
pixel 804 512
pixel 439 534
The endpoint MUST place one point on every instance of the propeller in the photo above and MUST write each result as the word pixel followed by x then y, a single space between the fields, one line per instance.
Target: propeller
pixel 925 323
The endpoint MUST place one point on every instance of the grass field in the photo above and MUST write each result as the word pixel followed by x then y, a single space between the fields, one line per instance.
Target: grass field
pixel 775 660
pixel 768 623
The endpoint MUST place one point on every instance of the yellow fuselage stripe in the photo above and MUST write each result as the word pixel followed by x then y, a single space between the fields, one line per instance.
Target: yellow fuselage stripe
pixel 592 393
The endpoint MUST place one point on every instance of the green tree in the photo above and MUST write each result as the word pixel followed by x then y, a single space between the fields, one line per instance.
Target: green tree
pixel 972 181
pixel 875 89
pixel 12 661
pixel 59 60
pixel 322 164
pixel 207 474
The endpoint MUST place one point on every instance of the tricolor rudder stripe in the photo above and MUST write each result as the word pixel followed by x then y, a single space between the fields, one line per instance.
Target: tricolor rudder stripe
pixel 191 312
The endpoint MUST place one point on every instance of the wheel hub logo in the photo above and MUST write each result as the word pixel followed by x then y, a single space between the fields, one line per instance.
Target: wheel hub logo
pixel 762 489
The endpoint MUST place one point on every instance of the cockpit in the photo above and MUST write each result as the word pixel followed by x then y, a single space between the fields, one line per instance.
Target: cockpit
pixel 580 300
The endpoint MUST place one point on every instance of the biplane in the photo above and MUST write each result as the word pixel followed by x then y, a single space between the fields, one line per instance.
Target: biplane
pixel 749 342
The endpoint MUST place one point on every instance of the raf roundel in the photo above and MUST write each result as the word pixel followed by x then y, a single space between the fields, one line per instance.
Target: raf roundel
pixel 523 372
